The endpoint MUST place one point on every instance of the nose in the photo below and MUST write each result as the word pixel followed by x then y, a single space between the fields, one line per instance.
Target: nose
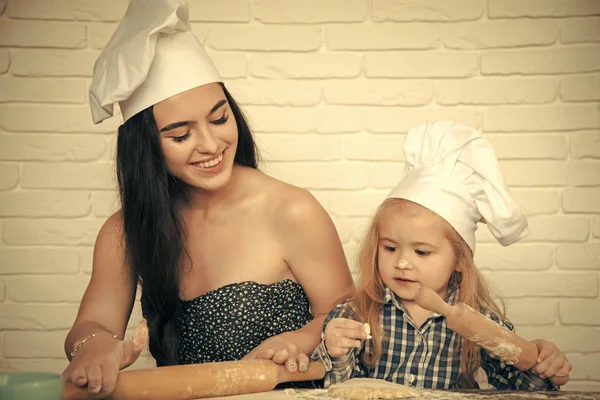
pixel 403 264
pixel 206 142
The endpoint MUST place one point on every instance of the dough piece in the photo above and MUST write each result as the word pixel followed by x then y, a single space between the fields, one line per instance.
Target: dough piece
pixel 369 388
pixel 368 330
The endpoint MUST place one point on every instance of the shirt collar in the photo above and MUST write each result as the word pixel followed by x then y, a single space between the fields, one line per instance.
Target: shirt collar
pixel 392 297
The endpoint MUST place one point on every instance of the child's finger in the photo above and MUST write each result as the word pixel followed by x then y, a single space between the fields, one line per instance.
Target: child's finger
pixel 556 366
pixel 545 349
pixel 560 380
pixel 565 370
pixel 337 351
pixel 346 323
pixel 343 342
pixel 542 368
pixel 353 333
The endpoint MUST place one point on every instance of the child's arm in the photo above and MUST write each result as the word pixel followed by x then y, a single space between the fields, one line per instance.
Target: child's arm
pixel 506 377
pixel 340 358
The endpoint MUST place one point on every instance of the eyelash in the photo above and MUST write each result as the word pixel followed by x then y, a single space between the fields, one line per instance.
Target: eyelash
pixel 179 139
pixel 219 121
pixel 421 253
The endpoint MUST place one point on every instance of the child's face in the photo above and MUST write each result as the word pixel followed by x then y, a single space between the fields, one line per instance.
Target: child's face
pixel 413 250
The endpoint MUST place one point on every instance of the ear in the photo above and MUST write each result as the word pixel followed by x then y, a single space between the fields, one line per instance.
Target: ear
pixel 457 266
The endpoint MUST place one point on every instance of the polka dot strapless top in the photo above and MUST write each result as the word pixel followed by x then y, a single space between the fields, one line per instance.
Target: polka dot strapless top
pixel 225 324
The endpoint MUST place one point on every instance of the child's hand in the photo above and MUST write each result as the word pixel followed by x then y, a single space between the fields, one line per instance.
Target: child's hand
pixel 552 363
pixel 341 335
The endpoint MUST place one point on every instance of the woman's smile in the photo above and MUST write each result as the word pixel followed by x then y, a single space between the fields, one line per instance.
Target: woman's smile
pixel 211 165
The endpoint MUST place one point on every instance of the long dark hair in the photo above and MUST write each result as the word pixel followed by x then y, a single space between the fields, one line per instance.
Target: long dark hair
pixel 154 242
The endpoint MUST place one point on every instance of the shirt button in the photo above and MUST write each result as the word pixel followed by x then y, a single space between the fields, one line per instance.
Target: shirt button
pixel 411 378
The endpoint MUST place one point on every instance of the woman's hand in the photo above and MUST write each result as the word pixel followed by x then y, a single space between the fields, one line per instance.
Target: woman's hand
pixel 280 350
pixel 342 334
pixel 552 363
pixel 98 361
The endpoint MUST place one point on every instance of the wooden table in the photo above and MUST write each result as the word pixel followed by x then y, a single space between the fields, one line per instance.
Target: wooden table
pixel 321 394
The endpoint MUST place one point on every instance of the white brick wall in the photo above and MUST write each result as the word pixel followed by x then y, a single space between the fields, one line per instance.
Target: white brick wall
pixel 330 86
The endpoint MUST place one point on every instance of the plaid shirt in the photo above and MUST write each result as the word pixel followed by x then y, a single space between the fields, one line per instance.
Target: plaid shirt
pixel 420 357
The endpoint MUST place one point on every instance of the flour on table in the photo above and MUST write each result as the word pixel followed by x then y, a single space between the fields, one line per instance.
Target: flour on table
pixel 369 388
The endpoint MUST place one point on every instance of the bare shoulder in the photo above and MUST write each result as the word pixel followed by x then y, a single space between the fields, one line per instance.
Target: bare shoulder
pixel 292 205
pixel 109 250
pixel 311 246
pixel 111 231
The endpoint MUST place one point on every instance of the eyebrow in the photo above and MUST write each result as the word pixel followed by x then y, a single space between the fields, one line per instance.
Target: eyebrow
pixel 413 244
pixel 178 124
pixel 217 106
pixel 174 125
pixel 417 244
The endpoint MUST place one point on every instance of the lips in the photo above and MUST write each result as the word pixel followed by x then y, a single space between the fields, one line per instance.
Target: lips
pixel 404 280
pixel 209 163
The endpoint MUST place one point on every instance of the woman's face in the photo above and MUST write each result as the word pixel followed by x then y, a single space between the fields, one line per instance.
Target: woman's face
pixel 198 136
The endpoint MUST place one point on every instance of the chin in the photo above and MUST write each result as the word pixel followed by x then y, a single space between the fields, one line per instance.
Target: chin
pixel 214 184
pixel 404 293
pixel 210 183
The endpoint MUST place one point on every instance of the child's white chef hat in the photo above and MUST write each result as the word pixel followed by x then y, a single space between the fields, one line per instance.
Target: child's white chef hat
pixel 453 171
pixel 151 56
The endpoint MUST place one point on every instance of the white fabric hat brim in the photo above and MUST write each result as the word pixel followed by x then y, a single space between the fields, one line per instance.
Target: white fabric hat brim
pixel 152 56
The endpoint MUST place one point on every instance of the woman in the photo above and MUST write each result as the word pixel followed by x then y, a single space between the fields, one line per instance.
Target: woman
pixel 232 263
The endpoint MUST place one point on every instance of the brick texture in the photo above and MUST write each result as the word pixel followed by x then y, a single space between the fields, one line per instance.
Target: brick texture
pixel 330 88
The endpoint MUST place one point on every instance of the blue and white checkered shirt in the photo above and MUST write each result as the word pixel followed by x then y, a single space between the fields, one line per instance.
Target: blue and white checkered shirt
pixel 422 357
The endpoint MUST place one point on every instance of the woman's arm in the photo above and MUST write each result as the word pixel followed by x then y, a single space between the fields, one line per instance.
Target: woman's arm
pixel 108 299
pixel 313 251
pixel 315 256
pixel 104 312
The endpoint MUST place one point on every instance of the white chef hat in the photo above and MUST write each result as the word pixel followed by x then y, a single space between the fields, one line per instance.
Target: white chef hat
pixel 453 171
pixel 151 56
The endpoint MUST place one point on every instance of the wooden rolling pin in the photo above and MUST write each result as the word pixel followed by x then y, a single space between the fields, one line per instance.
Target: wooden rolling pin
pixel 481 330
pixel 199 381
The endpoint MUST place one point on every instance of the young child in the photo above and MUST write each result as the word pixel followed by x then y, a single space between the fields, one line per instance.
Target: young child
pixel 423 235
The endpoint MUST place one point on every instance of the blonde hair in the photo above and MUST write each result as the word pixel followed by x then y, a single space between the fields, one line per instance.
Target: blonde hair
pixel 369 297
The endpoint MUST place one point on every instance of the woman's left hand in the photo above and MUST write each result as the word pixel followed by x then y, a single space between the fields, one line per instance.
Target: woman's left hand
pixel 281 351
pixel 552 363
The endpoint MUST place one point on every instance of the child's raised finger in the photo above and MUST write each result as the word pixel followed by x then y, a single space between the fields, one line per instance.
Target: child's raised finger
pixel 346 323
pixel 353 333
